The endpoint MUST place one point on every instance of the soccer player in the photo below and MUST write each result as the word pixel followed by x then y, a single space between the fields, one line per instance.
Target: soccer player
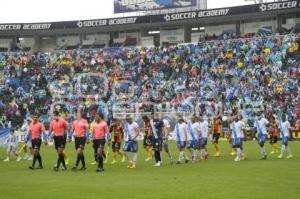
pixel 157 127
pixel 237 135
pixel 131 132
pixel 243 138
pixel 36 130
pixel 181 130
pixel 148 138
pixel 58 128
pixel 216 132
pixel 274 133
pixel 27 143
pixel 95 150
pixel 203 138
pixel 233 150
pixel 261 126
pixel 100 134
pixel 12 146
pixel 285 134
pixel 230 119
pixel 80 131
pixel 167 131
pixel 116 131
pixel 194 129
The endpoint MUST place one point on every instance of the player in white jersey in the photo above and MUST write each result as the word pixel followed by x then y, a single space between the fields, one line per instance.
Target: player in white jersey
pixel 167 131
pixel 237 135
pixel 193 132
pixel 27 148
pixel 204 132
pixel 12 146
pixel 284 127
pixel 261 124
pixel 131 132
pixel 243 138
pixel 181 131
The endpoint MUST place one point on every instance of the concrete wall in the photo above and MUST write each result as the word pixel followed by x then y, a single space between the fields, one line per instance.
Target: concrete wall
pixel 172 35
pixel 4 43
pixel 147 41
pixel 68 40
pixel 252 27
pixel 218 29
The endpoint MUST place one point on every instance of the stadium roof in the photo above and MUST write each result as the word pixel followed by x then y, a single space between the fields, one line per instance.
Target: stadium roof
pixel 218 15
pixel 31 11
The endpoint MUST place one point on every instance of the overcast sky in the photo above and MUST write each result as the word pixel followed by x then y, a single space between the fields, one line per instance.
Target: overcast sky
pixel 26 11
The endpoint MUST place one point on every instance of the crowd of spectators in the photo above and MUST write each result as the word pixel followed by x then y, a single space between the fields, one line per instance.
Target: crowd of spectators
pixel 208 78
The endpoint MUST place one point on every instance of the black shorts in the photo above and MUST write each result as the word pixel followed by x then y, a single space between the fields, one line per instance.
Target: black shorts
pixel 273 139
pixel 59 142
pixel 157 144
pixel 148 141
pixel 36 143
pixel 216 137
pixel 99 143
pixel 115 146
pixel 80 142
pixel 65 140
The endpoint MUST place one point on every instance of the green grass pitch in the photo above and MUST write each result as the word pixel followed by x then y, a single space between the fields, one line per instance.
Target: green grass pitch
pixel 215 178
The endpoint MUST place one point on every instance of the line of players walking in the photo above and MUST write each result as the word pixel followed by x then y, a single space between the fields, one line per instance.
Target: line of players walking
pixel 191 135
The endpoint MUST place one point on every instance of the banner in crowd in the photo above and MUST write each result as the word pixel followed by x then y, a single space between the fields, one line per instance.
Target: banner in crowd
pixel 121 6
pixel 4 133
pixel 160 18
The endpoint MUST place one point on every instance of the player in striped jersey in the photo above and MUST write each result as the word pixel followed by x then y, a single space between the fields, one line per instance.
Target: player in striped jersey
pixel 261 126
pixel 148 138
pixel 27 143
pixel 167 131
pixel 131 132
pixel 193 131
pixel 216 127
pixel 237 135
pixel 116 132
pixel 285 127
pixel 12 146
pixel 157 127
pixel 274 133
pixel 203 138
pixel 181 130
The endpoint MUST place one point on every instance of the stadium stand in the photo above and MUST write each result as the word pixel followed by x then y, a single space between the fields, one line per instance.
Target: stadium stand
pixel 212 77
pixel 210 62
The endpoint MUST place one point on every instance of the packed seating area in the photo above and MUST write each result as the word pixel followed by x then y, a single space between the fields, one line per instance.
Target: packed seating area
pixel 209 78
